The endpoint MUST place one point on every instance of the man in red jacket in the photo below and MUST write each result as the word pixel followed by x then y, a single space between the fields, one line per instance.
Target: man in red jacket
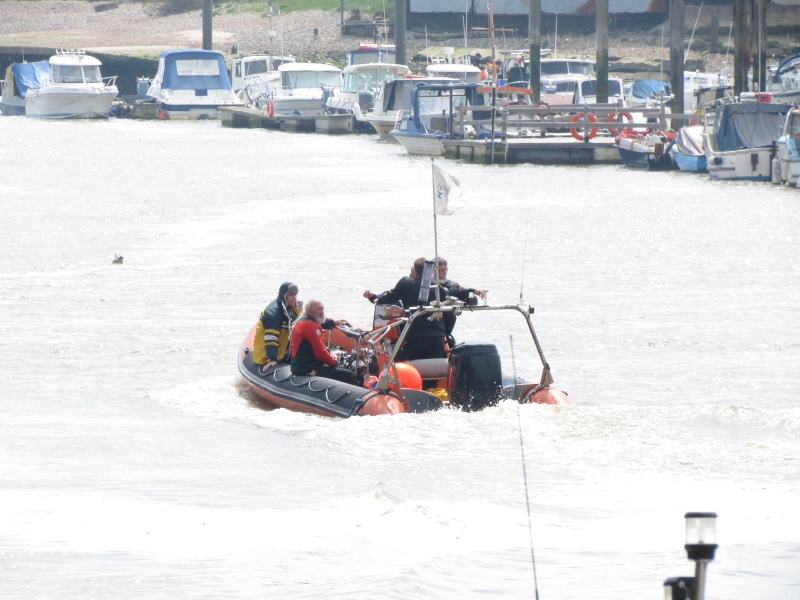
pixel 309 354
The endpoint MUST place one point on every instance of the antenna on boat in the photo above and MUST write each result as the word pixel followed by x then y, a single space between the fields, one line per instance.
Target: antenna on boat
pixel 525 254
pixel 524 470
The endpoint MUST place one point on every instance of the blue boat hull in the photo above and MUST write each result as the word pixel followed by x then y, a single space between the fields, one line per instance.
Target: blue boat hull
pixel 695 163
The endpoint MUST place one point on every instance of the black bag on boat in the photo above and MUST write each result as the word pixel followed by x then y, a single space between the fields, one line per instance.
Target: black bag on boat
pixel 476 378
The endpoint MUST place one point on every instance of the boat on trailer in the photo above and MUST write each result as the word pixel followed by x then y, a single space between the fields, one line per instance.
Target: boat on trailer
pixel 471 378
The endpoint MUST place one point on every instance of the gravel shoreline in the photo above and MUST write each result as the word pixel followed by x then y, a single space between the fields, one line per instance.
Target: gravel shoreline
pixel 134 28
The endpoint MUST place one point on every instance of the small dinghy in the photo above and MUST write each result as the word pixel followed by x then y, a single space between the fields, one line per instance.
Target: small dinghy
pixel 471 378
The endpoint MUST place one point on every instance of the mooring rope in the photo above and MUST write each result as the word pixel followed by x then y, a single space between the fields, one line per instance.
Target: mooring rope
pixel 524 473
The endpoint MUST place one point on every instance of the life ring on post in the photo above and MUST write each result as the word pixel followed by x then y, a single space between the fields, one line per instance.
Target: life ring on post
pixel 579 136
pixel 612 118
pixel 270 107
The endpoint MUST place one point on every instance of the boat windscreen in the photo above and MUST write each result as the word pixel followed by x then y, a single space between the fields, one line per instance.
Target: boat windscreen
pixel 310 79
pixel 194 66
pixel 67 74
pixel 256 67
pixel 589 88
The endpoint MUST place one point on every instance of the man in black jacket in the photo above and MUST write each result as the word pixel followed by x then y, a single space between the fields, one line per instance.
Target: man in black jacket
pixel 453 288
pixel 426 337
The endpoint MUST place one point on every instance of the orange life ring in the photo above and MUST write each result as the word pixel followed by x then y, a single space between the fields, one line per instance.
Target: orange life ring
pixel 612 118
pixel 270 107
pixel 579 136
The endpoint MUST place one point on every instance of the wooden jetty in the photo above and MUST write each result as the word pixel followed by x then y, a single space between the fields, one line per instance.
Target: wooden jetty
pixel 556 150
pixel 247 117
pixel 547 135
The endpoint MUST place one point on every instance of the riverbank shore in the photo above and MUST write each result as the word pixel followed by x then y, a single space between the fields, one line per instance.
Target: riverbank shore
pixel 138 29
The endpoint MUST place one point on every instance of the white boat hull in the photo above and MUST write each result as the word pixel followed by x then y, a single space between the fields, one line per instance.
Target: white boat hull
pixel 423 145
pixel 788 163
pixel 186 105
pixel 70 102
pixel 297 103
pixel 383 125
pixel 748 164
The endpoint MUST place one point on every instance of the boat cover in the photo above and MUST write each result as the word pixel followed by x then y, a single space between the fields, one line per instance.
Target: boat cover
pixel 749 124
pixel 194 70
pixel 650 88
pixel 689 141
pixel 30 76
pixel 787 64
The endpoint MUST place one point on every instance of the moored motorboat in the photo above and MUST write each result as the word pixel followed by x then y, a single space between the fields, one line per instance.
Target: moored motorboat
pixel 787 169
pixel 360 89
pixel 470 379
pixel 20 79
pixel 393 101
pixel 191 85
pixel 254 75
pixel 304 90
pixel 646 150
pixel 687 152
pixel 74 90
pixel 431 119
pixel 742 145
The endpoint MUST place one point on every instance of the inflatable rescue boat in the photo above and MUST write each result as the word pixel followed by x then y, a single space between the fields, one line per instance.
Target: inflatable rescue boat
pixel 470 378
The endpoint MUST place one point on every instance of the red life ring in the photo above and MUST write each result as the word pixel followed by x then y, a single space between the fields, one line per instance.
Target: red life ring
pixel 612 118
pixel 270 107
pixel 579 136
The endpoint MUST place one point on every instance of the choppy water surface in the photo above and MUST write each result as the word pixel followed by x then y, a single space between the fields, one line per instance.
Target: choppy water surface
pixel 136 463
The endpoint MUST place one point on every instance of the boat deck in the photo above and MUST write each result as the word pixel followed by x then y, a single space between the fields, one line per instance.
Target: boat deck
pixel 555 149
pixel 244 117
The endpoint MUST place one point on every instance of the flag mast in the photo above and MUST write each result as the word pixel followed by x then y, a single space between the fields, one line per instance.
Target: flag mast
pixel 443 184
pixel 435 232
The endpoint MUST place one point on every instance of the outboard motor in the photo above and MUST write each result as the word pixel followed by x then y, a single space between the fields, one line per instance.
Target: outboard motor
pixel 476 379
pixel 327 93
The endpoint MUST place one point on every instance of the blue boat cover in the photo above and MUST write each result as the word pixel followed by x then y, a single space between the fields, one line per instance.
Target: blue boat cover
pixel 30 76
pixel 650 88
pixel 194 70
pixel 749 124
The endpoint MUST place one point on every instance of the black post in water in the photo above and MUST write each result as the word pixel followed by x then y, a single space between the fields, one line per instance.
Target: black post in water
pixel 677 24
pixel 208 41
pixel 601 29
pixel 760 44
pixel 741 36
pixel 535 36
pixel 400 13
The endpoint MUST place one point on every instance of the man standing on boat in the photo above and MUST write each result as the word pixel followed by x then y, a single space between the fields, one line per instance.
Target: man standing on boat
pixel 271 342
pixel 426 337
pixel 453 288
pixel 309 354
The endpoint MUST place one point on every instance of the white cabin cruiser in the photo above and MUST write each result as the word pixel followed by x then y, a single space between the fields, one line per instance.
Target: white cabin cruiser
pixel 20 79
pixel 191 85
pixel 461 72
pixel 256 75
pixel 360 89
pixel 74 90
pixel 304 90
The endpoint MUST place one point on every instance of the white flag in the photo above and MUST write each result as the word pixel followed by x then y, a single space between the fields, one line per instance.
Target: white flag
pixel 443 184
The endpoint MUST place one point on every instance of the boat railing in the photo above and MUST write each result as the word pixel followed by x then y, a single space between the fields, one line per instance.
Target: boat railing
pixel 437 311
pixel 109 81
pixel 397 118
pixel 552 118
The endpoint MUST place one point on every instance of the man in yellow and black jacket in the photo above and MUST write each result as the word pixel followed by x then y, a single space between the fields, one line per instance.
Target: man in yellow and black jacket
pixel 271 343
